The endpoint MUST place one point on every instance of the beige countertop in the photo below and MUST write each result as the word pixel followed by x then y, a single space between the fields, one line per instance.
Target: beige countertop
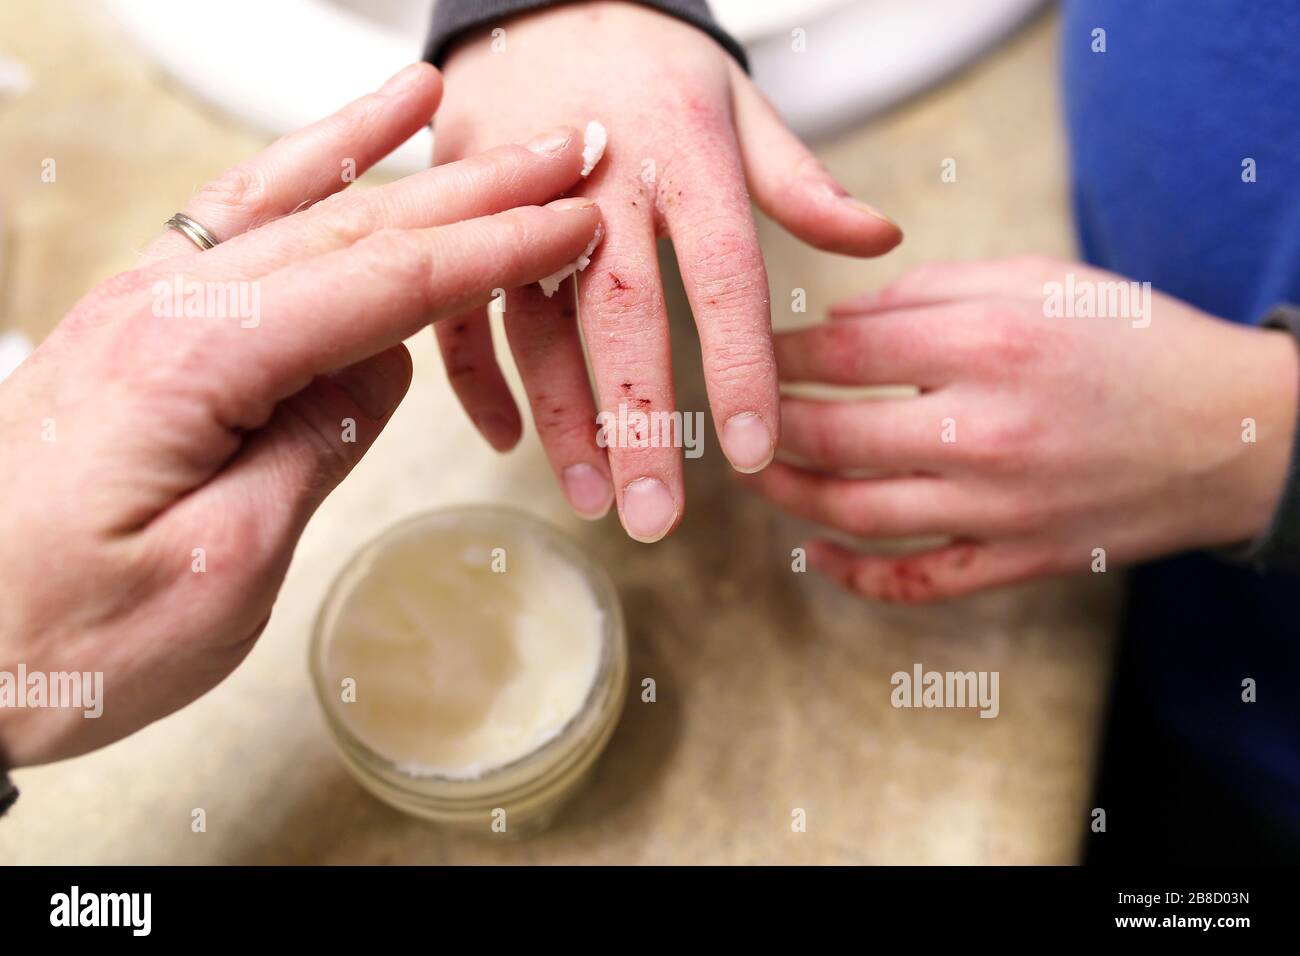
pixel 773 687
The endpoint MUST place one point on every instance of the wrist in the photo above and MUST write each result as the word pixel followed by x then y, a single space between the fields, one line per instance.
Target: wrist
pixel 1268 430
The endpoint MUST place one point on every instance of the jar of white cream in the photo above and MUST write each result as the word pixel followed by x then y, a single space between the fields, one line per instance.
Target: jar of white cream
pixel 471 664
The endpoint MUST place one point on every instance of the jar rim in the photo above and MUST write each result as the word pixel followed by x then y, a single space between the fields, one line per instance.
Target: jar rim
pixel 560 750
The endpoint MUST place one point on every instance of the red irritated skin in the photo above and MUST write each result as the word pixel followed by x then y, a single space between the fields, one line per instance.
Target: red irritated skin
pixel 690 139
pixel 1042 440
pixel 160 466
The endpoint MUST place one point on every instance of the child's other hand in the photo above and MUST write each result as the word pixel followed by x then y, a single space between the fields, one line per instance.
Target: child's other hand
pixel 1037 438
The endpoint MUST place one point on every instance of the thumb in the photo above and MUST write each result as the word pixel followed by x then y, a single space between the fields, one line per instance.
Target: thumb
pixel 285 470
pixel 791 185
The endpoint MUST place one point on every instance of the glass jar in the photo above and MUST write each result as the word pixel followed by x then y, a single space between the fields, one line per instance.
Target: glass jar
pixel 519 797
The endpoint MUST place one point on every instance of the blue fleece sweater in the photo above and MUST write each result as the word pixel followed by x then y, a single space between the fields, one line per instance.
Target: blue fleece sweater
pixel 1188 96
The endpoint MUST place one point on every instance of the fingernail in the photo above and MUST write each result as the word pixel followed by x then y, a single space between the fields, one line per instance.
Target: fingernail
pixel 747 443
pixel 368 389
pixel 403 79
pixel 648 509
pixel 860 206
pixel 552 142
pixel 588 491
pixel 573 202
pixel 497 429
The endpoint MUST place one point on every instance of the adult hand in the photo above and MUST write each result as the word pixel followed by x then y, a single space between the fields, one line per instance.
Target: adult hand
pixel 1036 437
pixel 166 445
pixel 687 131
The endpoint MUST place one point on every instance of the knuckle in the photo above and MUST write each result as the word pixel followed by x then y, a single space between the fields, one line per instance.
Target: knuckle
pixel 729 269
pixel 807 169
pixel 461 352
pixel 355 121
pixel 509 170
pixel 562 428
pixel 724 248
pixel 509 159
pixel 1013 350
pixel 461 369
pixel 838 347
pixel 859 524
pixel 348 218
pixel 741 360
pixel 110 302
pixel 243 187
pixel 862 519
pixel 124 285
pixel 653 460
pixel 696 114
pixel 1023 513
pixel 181 378
pixel 908 580
pixel 827 442
pixel 399 255
pixel 1005 443
pixel 997 442
pixel 1006 341
pixel 503 238
pixel 237 531
pixel 512 234
pixel 188 356
pixel 623 293
pixel 331 456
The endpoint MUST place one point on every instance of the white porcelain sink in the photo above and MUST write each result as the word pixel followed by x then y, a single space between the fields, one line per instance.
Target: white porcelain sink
pixel 278 65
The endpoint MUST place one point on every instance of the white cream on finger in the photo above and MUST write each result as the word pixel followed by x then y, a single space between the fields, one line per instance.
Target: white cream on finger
pixel 594 140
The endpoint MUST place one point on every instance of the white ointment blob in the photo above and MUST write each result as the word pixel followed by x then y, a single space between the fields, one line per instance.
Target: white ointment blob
pixel 552 282
pixel 460 668
pixel 594 139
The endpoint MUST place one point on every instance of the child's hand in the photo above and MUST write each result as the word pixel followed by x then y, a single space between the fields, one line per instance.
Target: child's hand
pixel 687 131
pixel 1035 440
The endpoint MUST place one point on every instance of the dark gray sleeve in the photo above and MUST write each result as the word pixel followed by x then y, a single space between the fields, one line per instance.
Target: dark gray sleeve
pixel 1278 547
pixel 8 792
pixel 451 18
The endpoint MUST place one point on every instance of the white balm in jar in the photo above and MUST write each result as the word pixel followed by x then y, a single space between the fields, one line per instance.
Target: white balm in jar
pixel 471 665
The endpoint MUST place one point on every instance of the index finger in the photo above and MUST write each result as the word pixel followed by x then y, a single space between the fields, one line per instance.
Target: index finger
pixel 311 163
pixel 341 308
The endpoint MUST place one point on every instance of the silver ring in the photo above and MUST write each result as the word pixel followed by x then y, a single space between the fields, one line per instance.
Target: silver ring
pixel 192 231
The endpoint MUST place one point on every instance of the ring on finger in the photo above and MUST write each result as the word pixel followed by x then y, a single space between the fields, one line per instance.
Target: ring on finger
pixel 192 230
